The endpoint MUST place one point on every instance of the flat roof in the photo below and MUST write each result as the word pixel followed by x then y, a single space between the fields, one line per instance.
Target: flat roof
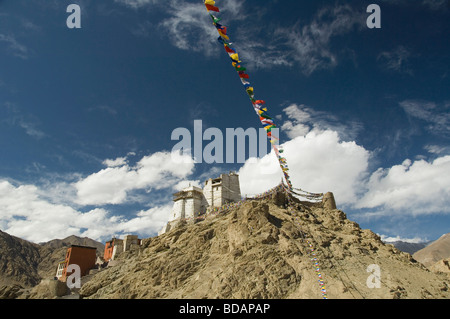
pixel 79 246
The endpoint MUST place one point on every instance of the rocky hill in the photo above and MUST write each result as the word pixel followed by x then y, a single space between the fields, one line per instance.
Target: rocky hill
pixel 434 252
pixel 24 264
pixel 264 250
pixel 19 261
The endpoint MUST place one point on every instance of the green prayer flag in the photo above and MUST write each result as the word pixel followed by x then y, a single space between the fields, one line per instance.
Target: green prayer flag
pixel 215 19
pixel 265 116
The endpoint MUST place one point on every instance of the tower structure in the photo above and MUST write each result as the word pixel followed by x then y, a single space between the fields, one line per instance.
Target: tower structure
pixel 222 190
pixel 188 204
pixel 192 202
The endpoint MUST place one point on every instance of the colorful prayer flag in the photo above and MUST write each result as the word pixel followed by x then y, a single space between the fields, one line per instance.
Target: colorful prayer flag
pixel 211 8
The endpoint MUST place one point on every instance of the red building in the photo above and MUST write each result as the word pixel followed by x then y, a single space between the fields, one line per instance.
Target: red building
pixel 83 256
pixel 109 248
pixel 115 246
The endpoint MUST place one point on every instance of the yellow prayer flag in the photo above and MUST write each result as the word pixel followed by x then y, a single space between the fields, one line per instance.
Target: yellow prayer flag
pixel 234 56
pixel 223 35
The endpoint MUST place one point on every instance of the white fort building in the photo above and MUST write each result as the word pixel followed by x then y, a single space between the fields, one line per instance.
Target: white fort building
pixel 193 202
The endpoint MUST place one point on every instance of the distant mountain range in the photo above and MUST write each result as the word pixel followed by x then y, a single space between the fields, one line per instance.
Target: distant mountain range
pixel 427 253
pixel 409 248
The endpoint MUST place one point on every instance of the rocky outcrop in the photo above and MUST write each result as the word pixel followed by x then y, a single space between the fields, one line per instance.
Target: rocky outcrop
pixel 442 266
pixel 19 260
pixel 434 252
pixel 263 250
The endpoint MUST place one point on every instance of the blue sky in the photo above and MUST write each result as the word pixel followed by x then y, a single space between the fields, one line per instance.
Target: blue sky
pixel 86 115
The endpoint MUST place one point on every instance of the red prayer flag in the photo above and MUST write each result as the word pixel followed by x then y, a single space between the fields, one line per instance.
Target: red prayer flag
pixel 211 8
pixel 229 50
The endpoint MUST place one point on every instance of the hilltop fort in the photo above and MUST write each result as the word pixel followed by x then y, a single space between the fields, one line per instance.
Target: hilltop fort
pixel 192 202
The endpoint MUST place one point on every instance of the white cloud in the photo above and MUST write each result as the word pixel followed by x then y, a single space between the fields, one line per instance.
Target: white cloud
pixel 415 240
pixel 30 129
pixel 14 47
pixel 184 184
pixel 54 209
pixel 111 185
pixel 120 161
pixel 189 27
pixel 431 4
pixel 137 3
pixel 26 121
pixel 439 150
pixel 437 116
pixel 311 45
pixel 306 46
pixel 303 119
pixel 319 162
pixel 26 214
pixel 148 222
pixel 412 188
